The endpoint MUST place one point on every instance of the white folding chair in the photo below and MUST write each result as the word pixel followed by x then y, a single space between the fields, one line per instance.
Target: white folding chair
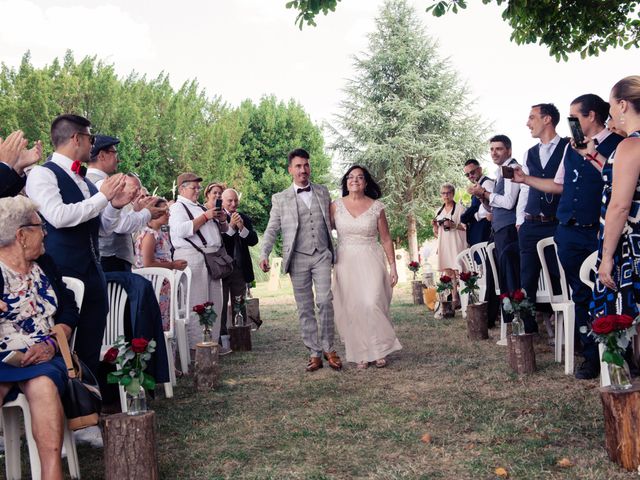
pixel 115 326
pixel 465 263
pixel 588 269
pixel 11 422
pixel 479 251
pixel 182 315
pixel 496 281
pixel 157 276
pixel 561 304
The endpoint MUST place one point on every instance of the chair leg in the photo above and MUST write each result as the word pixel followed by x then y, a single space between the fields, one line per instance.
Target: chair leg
pixel 569 327
pixel 171 363
pixel 34 457
pixel 183 347
pixel 464 301
pixel 561 334
pixel 123 399
pixel 11 421
pixel 503 332
pixel 72 453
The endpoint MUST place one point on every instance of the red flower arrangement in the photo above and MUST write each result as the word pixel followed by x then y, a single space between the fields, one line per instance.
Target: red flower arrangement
pixel 445 284
pixel 414 267
pixel 131 361
pixel 516 302
pixel 206 314
pixel 615 333
pixel 471 286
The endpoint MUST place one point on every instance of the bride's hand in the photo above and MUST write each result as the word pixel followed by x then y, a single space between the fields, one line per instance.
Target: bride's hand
pixel 393 276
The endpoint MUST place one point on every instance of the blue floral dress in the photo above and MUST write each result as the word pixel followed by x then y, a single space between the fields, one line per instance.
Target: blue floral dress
pixel 626 258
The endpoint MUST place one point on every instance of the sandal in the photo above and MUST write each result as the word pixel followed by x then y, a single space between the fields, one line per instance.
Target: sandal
pixel 362 365
pixel 381 363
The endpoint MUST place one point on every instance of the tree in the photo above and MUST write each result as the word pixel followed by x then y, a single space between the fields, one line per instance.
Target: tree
pixel 407 118
pixel 587 27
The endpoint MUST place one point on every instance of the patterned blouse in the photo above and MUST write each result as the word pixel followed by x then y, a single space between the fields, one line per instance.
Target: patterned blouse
pixel 163 245
pixel 31 304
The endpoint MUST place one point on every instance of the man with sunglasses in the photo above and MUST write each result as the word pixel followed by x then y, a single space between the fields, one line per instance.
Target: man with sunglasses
pixel 75 212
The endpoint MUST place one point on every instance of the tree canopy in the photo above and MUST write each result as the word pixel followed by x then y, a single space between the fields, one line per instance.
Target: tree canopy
pixel 165 131
pixel 407 119
pixel 587 27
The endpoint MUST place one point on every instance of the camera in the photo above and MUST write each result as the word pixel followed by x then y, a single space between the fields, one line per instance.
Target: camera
pixel 441 223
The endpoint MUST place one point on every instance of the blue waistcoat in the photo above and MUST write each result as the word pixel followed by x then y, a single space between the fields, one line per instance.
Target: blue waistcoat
pixel 72 248
pixel 501 216
pixel 541 203
pixel 582 189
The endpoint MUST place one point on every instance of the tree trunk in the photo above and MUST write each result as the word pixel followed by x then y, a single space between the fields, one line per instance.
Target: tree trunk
pixel 130 446
pixel 412 237
pixel 522 356
pixel 206 368
pixel 477 328
pixel 240 338
pixel 416 290
pixel 621 425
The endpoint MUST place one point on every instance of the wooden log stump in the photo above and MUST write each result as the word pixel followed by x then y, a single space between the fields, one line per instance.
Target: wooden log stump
pixel 207 371
pixel 477 327
pixel 253 310
pixel 522 356
pixel 447 309
pixel 240 338
pixel 621 425
pixel 416 290
pixel 130 446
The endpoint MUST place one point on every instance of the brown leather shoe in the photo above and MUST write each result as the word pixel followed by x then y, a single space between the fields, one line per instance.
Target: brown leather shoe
pixel 333 359
pixel 314 364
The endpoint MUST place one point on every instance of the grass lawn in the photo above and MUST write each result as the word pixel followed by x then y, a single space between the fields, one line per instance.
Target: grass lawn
pixel 269 419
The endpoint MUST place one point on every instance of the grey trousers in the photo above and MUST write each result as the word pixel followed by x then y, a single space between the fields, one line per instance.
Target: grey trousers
pixel 308 272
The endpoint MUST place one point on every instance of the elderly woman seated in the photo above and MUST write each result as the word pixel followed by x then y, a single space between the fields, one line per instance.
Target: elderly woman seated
pixel 34 298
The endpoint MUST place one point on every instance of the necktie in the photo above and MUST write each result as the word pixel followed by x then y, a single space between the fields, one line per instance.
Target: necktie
pixel 78 168
pixel 306 189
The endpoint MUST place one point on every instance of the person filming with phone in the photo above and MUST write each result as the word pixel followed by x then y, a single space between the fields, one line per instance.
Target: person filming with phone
pixel 196 230
pixel 34 298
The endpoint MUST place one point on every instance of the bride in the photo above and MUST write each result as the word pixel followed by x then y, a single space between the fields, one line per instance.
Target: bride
pixel 362 284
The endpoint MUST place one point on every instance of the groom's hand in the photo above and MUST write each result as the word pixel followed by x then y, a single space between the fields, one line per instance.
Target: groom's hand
pixel 264 265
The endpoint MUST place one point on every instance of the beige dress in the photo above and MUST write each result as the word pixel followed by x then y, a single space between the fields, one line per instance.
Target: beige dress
pixel 450 242
pixel 361 287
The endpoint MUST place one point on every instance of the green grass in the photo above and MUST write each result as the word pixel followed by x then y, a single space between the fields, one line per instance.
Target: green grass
pixel 271 420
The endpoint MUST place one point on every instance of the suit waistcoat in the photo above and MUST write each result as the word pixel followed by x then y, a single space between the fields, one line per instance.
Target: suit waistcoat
pixel 118 245
pixel 312 232
pixel 501 216
pixel 541 203
pixel 75 247
pixel 582 187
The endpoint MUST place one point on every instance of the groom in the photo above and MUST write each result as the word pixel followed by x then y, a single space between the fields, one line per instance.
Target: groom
pixel 301 214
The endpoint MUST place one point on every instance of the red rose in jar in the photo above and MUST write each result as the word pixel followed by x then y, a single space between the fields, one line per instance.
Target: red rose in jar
pixel 465 276
pixel 139 345
pixel 111 355
pixel 518 295
pixel 503 296
pixel 445 279
pixel 622 322
pixel 199 309
pixel 208 304
pixel 603 325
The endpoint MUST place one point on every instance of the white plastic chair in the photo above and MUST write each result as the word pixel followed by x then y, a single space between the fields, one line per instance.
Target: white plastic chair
pixel 479 250
pixel 465 264
pixel 496 281
pixel 182 315
pixel 561 303
pixel 115 326
pixel 157 276
pixel 587 269
pixel 11 422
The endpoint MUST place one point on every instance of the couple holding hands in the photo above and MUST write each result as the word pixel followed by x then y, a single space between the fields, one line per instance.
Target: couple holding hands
pixel 362 285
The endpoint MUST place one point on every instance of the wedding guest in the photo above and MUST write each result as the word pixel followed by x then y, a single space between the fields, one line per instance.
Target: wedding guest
pixel 34 298
pixel 450 232
pixel 213 192
pixel 362 285
pixel 14 160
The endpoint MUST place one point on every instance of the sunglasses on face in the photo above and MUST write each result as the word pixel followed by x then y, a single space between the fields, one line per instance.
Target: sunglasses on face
pixel 92 137
pixel 471 172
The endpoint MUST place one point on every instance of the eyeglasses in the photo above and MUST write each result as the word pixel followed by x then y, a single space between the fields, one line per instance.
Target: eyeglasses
pixel 471 172
pixel 195 189
pixel 41 225
pixel 112 150
pixel 355 177
pixel 92 137
pixel 448 192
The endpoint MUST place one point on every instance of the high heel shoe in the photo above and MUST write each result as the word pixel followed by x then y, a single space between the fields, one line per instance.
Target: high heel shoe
pixel 362 365
pixel 381 363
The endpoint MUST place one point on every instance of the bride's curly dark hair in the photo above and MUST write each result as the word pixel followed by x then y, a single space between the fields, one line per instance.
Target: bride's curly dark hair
pixel 371 190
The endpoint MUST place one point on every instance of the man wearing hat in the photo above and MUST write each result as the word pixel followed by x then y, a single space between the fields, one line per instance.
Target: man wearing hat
pixel 116 248
pixel 196 230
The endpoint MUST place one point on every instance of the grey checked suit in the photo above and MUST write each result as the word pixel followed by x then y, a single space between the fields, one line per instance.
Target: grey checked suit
pixel 308 255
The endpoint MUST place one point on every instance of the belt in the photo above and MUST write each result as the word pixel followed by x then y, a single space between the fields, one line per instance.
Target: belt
pixel 573 223
pixel 539 218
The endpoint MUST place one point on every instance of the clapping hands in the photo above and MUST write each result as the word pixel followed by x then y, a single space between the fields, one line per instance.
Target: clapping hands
pixel 14 153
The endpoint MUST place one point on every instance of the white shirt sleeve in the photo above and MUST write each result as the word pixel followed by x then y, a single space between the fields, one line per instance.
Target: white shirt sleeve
pixel 510 197
pixel 109 219
pixel 132 221
pixel 42 188
pixel 482 213
pixel 559 178
pixel 524 195
pixel 180 224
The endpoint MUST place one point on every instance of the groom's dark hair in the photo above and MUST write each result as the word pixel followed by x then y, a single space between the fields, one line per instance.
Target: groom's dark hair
pixel 298 152
pixel 371 190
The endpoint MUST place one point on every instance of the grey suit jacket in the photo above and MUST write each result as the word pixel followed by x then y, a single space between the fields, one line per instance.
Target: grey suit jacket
pixel 284 218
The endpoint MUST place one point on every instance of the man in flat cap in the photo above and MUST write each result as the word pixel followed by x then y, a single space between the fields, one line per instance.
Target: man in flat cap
pixel 196 230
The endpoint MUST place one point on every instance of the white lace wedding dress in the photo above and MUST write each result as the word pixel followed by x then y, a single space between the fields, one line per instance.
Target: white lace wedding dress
pixel 361 287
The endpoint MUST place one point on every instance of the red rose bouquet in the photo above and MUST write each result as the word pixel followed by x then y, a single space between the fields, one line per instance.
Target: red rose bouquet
pixel 517 302
pixel 206 314
pixel 470 280
pixel 615 333
pixel 445 284
pixel 414 267
pixel 131 362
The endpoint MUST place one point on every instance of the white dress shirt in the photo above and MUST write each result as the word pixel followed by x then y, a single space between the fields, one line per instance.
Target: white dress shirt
pixel 244 233
pixel 181 226
pixel 545 151
pixel 559 178
pixel 511 190
pixel 304 196
pixel 97 176
pixel 42 188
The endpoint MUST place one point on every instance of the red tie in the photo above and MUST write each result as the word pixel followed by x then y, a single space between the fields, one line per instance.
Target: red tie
pixel 77 168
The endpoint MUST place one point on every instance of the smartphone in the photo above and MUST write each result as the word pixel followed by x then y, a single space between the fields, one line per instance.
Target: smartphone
pixel 14 358
pixel 218 204
pixel 576 132
pixel 507 172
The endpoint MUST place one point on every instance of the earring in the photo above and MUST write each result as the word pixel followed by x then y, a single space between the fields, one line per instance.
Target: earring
pixel 621 120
